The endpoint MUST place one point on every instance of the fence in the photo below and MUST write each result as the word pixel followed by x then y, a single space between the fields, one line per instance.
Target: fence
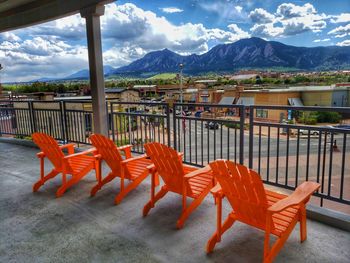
pixel 284 154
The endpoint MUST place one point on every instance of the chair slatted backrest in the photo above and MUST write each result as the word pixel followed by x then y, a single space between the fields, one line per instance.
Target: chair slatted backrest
pixel 108 151
pixel 50 148
pixel 244 190
pixel 168 164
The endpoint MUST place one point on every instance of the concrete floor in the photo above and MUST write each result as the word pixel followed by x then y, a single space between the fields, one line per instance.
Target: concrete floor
pixel 76 228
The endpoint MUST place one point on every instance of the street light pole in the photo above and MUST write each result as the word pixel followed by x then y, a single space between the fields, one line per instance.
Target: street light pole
pixel 181 88
pixel 0 79
pixel 182 128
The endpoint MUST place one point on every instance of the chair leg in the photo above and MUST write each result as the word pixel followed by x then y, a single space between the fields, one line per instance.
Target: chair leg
pixel 162 192
pixel 303 232
pixel 216 237
pixel 277 246
pixel 195 203
pixel 75 179
pixel 39 183
pixel 99 184
pixel 130 187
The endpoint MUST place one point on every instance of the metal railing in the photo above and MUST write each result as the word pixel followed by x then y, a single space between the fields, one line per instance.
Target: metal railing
pixel 287 154
pixel 284 154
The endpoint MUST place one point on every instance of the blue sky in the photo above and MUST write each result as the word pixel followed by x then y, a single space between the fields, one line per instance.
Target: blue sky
pixel 130 29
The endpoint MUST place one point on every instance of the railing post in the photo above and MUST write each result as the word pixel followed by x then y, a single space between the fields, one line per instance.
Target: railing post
pixel 168 123
pixel 174 126
pixel 251 135
pixel 107 119
pixel 241 135
pixel 112 121
pixel 63 128
pixel 32 117
pixel 65 115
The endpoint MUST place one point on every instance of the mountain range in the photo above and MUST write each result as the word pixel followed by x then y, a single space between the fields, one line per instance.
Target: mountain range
pixel 245 53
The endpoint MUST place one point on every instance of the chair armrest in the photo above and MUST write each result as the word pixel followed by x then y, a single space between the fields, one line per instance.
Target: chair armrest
pixel 151 167
pixel 217 191
pixel 126 149
pixel 143 156
pixel 67 146
pixel 300 195
pixel 200 171
pixel 92 150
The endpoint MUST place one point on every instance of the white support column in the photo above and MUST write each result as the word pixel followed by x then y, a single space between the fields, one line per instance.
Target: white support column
pixel 93 30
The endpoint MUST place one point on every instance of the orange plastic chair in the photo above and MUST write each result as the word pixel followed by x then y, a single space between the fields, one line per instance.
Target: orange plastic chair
pixel 76 164
pixel 185 180
pixel 132 168
pixel 269 211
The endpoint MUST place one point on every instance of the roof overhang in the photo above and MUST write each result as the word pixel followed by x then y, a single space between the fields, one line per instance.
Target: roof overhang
pixel 16 14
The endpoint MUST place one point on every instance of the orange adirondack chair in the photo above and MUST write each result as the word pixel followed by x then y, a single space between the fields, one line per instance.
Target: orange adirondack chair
pixel 185 180
pixel 269 211
pixel 76 164
pixel 132 168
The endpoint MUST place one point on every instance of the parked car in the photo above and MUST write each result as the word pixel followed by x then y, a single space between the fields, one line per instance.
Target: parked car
pixel 212 125
pixel 342 126
pixel 306 132
pixel 198 114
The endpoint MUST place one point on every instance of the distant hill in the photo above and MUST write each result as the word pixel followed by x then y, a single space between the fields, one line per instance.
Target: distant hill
pixel 81 74
pixel 245 53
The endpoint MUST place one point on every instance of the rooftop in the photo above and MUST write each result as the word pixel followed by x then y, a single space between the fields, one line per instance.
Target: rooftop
pixel 76 228
pixel 206 81
pixel 299 88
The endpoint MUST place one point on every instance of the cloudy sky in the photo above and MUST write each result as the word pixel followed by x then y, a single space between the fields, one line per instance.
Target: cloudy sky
pixel 130 29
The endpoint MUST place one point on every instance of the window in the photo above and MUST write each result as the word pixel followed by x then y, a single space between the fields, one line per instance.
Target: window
pixel 261 113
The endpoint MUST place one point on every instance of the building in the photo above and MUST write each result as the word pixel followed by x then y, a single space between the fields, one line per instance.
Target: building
pixel 332 96
pixel 147 90
pixel 123 94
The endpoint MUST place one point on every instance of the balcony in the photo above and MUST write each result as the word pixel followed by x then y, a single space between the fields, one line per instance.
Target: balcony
pixel 39 227
pixel 77 227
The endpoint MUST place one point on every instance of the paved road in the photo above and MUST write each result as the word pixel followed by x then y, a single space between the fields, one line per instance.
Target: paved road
pixel 224 143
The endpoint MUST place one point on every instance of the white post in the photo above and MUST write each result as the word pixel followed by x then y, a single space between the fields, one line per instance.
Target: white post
pixel 93 30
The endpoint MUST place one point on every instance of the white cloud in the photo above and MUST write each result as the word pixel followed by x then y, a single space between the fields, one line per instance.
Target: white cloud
pixel 70 28
pixel 342 18
pixel 8 36
pixel 225 10
pixel 344 43
pixel 321 40
pixel 34 58
pixel 266 30
pixel 261 16
pixel 289 10
pixel 341 31
pixel 238 8
pixel 54 49
pixel 171 10
pixel 128 25
pixel 289 19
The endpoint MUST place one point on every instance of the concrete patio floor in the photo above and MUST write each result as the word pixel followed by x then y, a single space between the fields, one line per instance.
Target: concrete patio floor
pixel 37 227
